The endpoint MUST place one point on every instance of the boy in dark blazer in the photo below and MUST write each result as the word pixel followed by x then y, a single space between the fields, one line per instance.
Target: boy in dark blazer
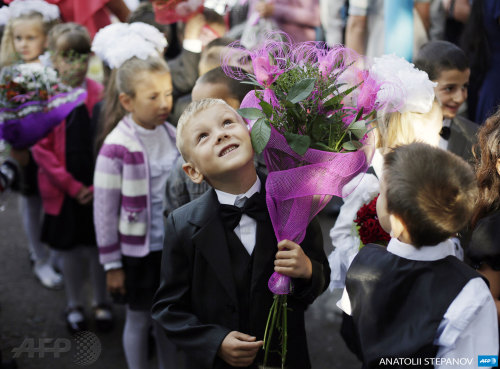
pixel 213 300
pixel 448 66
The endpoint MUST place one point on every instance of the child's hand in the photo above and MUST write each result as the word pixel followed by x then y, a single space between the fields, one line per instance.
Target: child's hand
pixel 292 261
pixel 85 195
pixel 239 349
pixel 115 281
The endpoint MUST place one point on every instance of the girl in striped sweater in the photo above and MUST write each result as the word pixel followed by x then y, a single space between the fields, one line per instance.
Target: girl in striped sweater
pixel 129 185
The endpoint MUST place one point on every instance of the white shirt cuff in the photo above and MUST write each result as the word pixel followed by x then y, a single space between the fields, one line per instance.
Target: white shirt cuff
pixel 192 45
pixel 113 265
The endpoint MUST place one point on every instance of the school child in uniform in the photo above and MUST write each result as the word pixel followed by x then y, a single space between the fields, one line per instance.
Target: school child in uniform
pixel 131 171
pixel 448 66
pixel 213 300
pixel 24 40
pixel 413 299
pixel 66 166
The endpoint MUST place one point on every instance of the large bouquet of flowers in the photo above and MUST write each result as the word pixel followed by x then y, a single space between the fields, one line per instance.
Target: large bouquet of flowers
pixel 171 11
pixel 32 102
pixel 310 116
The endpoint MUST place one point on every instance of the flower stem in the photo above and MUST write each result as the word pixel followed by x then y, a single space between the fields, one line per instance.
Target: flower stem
pixel 268 336
pixel 284 344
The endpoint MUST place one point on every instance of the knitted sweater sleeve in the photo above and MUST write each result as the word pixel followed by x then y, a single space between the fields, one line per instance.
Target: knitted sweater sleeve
pixel 107 201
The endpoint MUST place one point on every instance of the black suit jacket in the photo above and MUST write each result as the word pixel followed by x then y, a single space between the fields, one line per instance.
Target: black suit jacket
pixel 462 137
pixel 197 300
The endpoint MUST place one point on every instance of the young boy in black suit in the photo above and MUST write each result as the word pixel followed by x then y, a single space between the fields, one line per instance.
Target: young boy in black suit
pixel 448 66
pixel 414 304
pixel 213 300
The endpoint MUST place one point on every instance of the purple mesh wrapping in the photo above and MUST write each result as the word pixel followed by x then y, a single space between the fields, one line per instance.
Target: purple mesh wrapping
pixel 27 130
pixel 299 187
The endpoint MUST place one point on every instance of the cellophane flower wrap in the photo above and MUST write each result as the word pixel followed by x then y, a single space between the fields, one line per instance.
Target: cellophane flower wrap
pixel 310 116
pixel 32 102
pixel 172 11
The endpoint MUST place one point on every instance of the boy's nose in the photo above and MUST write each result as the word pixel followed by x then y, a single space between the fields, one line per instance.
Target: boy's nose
pixel 222 136
pixel 461 95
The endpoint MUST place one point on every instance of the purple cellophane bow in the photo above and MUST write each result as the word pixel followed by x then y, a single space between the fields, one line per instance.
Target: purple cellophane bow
pixel 26 130
pixel 299 187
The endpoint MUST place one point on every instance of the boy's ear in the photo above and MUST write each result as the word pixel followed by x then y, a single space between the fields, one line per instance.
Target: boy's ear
pixel 397 226
pixel 126 101
pixel 192 172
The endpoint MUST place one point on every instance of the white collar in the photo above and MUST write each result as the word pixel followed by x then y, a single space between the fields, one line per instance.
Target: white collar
pixel 229 199
pixel 425 253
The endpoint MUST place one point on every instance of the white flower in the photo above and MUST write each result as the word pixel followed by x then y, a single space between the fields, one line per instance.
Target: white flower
pixel 49 12
pixel 118 42
pixel 4 15
pixel 403 87
pixel 151 34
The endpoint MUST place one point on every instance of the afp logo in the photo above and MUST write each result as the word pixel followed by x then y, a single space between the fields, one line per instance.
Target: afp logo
pixel 487 360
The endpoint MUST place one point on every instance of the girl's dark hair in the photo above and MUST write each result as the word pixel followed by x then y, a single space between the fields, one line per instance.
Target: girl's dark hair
pixel 487 154
pixel 437 56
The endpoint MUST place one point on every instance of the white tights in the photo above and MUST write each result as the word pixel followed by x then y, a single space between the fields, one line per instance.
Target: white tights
pixel 135 341
pixel 75 264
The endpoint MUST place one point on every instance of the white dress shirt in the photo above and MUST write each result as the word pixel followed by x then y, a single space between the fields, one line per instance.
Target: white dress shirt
pixel 470 326
pixel 247 228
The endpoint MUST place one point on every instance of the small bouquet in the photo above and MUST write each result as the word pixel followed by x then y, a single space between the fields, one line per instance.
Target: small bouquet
pixel 171 11
pixel 368 226
pixel 309 115
pixel 32 102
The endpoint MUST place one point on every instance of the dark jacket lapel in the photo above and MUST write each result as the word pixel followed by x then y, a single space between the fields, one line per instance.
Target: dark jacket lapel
pixel 211 242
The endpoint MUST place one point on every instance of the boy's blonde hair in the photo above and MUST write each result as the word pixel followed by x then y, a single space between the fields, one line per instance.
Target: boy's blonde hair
pixel 191 110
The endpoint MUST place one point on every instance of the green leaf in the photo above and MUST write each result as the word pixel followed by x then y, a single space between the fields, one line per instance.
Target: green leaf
pixel 352 145
pixel 301 90
pixel 266 108
pixel 260 134
pixel 251 113
pixel 358 129
pixel 298 143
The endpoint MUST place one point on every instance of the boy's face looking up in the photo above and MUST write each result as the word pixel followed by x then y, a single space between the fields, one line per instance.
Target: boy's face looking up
pixel 217 146
pixel 451 90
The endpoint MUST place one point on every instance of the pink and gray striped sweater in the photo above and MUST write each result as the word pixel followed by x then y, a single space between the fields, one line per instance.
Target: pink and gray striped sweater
pixel 122 205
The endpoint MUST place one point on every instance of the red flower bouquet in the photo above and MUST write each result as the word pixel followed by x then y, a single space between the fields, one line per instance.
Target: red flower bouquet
pixel 368 226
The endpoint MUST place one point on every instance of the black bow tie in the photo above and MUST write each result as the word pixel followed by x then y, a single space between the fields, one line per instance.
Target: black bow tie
pixel 255 207
pixel 445 133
